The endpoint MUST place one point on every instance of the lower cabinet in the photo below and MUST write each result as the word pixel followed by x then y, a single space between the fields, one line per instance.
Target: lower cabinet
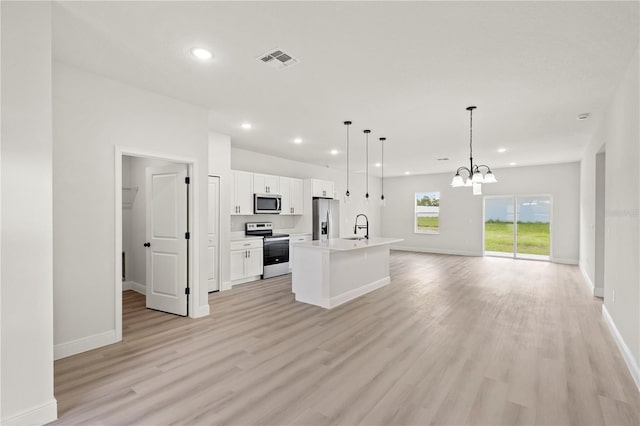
pixel 246 261
pixel 292 241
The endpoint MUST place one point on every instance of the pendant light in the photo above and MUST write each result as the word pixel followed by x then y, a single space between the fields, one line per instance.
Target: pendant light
pixel 366 196
pixel 382 170
pixel 347 194
pixel 474 177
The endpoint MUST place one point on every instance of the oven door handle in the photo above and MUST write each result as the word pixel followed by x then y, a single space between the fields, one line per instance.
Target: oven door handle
pixel 268 240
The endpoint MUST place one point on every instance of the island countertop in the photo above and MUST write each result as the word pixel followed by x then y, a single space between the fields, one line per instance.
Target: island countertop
pixel 344 244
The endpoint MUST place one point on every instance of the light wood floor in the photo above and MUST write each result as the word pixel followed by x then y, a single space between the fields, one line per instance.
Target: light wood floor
pixel 452 340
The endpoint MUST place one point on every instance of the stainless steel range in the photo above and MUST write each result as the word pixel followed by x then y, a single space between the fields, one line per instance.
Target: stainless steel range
pixel 275 248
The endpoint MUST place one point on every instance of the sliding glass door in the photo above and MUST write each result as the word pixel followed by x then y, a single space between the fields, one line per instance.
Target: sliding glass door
pixel 518 226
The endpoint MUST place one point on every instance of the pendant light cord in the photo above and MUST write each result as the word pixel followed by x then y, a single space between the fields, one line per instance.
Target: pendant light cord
pixel 347 123
pixel 471 108
pixel 366 132
pixel 382 166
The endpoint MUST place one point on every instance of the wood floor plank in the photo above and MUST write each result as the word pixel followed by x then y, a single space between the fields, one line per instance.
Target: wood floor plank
pixel 452 340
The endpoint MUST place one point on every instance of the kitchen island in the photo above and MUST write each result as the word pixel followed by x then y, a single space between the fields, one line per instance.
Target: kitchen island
pixel 331 272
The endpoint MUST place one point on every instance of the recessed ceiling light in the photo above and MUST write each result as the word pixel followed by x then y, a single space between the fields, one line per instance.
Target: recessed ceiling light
pixel 513 164
pixel 297 140
pixel 501 150
pixel 378 164
pixel 246 126
pixel 583 116
pixel 334 152
pixel 201 53
pixel 407 173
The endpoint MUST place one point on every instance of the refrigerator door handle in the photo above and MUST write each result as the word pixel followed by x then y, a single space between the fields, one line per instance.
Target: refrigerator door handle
pixel 330 222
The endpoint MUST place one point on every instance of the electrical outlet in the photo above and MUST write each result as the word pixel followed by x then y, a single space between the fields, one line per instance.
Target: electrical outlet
pixel 613 295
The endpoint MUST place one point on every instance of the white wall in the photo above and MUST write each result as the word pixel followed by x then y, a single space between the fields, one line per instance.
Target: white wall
pixel 461 212
pixel 27 232
pixel 92 115
pixel 619 132
pixel 134 220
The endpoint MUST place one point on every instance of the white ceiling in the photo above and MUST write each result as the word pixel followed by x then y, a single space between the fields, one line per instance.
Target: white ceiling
pixel 405 70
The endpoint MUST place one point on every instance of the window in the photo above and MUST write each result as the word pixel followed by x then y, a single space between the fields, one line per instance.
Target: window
pixel 427 213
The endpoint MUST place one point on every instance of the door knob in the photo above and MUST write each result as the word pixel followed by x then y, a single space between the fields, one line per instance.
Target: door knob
pixel 147 244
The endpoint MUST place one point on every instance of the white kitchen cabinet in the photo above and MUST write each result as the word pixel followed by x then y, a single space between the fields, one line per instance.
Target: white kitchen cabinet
pixel 237 264
pixel 292 240
pixel 265 184
pixel 292 191
pixel 253 263
pixel 322 188
pixel 241 193
pixel 246 261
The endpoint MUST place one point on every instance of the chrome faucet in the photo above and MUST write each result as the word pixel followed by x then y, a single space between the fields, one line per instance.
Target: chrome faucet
pixel 366 226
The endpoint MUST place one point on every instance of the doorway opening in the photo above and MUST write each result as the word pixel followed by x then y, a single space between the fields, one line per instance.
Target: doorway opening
pixel 157 255
pixel 518 226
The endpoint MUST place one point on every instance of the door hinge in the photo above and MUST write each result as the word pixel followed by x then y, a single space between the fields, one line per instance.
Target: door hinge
pixel 187 235
pixel 187 290
pixel 187 180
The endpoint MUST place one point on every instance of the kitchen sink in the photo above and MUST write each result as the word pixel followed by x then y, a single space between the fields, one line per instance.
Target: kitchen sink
pixel 354 238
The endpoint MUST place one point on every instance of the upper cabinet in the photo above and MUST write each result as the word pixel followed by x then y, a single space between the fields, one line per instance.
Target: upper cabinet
pixel 322 188
pixel 292 192
pixel 266 184
pixel 241 193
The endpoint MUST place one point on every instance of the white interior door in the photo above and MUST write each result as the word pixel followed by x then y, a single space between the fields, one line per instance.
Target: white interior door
pixel 213 238
pixel 166 196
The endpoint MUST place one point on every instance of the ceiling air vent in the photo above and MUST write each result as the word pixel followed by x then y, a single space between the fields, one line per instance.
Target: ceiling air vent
pixel 277 58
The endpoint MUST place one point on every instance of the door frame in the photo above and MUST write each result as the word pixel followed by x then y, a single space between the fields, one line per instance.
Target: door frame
pixel 515 225
pixel 219 253
pixel 193 243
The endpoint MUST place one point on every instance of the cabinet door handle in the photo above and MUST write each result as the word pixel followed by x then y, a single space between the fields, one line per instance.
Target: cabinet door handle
pixel 248 253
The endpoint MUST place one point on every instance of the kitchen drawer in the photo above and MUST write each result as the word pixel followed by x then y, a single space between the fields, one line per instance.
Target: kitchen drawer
pixel 300 238
pixel 246 244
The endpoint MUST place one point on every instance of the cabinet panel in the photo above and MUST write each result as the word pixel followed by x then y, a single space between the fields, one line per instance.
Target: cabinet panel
pixel 253 262
pixel 296 193
pixel 242 194
pixel 237 264
pixel 266 184
pixel 285 192
pixel 322 188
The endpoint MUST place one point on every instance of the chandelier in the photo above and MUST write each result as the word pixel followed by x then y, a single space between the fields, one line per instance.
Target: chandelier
pixel 474 174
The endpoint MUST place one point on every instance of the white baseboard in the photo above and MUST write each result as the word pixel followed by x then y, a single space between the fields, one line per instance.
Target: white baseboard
pixel 138 288
pixel 132 285
pixel 329 303
pixel 40 415
pixel 597 292
pixel 565 261
pixel 352 294
pixel 246 280
pixel 631 362
pixel 63 350
pixel 225 286
pixel 436 251
pixel 202 311
pixel 587 279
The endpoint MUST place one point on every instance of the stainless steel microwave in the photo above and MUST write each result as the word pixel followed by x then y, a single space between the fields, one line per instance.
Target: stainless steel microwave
pixel 267 204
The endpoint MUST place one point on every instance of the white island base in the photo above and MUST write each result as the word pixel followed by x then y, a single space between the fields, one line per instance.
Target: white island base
pixel 330 273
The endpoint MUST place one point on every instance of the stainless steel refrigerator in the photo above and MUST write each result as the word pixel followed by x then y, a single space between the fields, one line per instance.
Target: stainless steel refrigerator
pixel 326 218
